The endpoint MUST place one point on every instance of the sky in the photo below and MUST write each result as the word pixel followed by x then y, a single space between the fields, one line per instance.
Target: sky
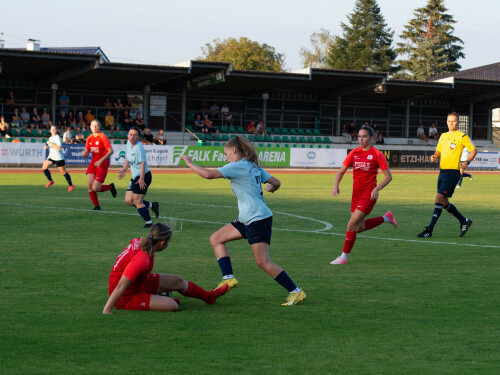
pixel 166 32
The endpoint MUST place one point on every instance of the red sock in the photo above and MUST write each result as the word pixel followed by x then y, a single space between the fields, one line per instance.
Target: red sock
pixel 373 222
pixel 195 291
pixel 93 198
pixel 350 238
pixel 105 187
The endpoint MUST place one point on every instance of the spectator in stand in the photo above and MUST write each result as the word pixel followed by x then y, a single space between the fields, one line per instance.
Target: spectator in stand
pixel 198 122
pixel 79 137
pixel 71 120
pixel 353 132
pixel 251 127
pixel 15 118
pixel 107 103
pixel 139 122
pixel 128 122
pixel 25 118
pixel 64 101
pixel 226 117
pixel 45 119
pixel 63 120
pixel 214 110
pixel 89 117
pixel 36 120
pixel 209 126
pixel 433 132
pixel 68 135
pixel 9 99
pixel 4 128
pixel 261 128
pixel 109 122
pixel 379 138
pixel 118 103
pixel 80 121
pixel 346 134
pixel 421 134
pixel 148 138
pixel 129 104
pixel 160 138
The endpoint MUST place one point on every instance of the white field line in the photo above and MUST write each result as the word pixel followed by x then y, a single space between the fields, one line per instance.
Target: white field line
pixel 317 231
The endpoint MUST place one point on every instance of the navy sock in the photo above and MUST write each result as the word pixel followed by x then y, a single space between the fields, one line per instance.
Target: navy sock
pixel 47 174
pixel 466 175
pixel 225 266
pixel 144 212
pixel 453 210
pixel 438 209
pixel 68 178
pixel 147 203
pixel 284 280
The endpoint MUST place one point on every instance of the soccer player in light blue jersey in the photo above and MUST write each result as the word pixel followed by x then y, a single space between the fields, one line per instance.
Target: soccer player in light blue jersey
pixel 255 219
pixel 141 177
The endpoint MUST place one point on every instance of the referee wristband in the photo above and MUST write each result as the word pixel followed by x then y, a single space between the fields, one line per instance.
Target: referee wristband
pixel 468 162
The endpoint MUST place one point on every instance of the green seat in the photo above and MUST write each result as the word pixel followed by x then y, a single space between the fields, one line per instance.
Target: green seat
pixel 259 138
pixel 316 132
pixel 23 140
pixel 318 140
pixel 268 138
pixel 302 139
pixel 14 131
pixel 301 131
pixel 302 146
pixel 207 137
pixel 225 137
pixel 217 144
pixel 224 129
pixel 310 140
pixel 24 132
pixel 117 142
pixel 35 133
pixel 43 140
pixel 285 139
pixel 240 129
pixel 285 131
pixel 309 132
pixel 276 138
pixel 311 146
pixel 86 133
pixel 327 140
pixel 252 138
pixel 287 145
pixel 277 145
pixel 328 146
pixel 294 139
pixel 294 145
pixel 261 145
pixel 270 145
pixel 319 146
pixel 33 140
pixel 45 133
pixel 294 131
pixel 232 129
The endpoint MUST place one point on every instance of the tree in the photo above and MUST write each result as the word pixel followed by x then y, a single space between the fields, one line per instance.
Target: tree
pixel 244 54
pixel 321 42
pixel 366 41
pixel 431 28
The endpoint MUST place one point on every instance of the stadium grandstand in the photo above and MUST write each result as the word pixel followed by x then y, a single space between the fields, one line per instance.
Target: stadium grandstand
pixel 304 108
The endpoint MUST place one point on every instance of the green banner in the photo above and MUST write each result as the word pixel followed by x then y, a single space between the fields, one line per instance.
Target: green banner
pixel 206 80
pixel 210 156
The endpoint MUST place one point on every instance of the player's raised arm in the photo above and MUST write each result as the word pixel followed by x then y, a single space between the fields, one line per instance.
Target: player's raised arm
pixel 203 172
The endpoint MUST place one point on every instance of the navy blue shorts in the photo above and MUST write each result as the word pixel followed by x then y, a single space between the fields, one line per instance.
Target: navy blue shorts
pixel 134 187
pixel 257 231
pixel 447 180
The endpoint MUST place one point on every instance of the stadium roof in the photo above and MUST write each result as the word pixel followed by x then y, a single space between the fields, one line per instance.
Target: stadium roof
pixel 88 71
pixel 489 72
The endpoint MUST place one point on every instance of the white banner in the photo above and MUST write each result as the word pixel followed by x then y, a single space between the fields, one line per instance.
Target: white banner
pixel 22 153
pixel 158 156
pixel 488 160
pixel 314 157
pixel 157 105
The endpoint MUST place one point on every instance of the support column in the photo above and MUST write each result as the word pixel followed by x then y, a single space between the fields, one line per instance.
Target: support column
pixel 265 96
pixel 54 88
pixel 145 104
pixel 339 114
pixel 406 130
pixel 489 130
pixel 183 114
pixel 471 119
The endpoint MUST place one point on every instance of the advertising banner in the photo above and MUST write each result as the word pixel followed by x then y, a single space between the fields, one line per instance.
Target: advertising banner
pixel 486 160
pixel 416 159
pixel 157 105
pixel 73 154
pixel 22 153
pixel 314 157
pixel 392 157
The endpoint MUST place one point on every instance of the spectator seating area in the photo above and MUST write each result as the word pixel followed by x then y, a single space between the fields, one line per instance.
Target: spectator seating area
pixel 23 135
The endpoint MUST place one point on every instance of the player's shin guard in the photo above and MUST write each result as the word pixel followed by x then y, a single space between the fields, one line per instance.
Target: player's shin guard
pixel 225 266
pixel 285 281
pixel 438 209
pixel 373 222
pixel 93 198
pixel 68 178
pixel 350 238
pixel 195 291
pixel 453 210
pixel 47 174
pixel 144 212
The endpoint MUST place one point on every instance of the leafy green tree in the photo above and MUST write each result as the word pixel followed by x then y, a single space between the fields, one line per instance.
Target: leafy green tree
pixel 244 54
pixel 366 41
pixel 431 28
pixel 321 42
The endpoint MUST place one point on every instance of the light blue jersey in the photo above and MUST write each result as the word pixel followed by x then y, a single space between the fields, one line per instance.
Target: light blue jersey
pixel 54 153
pixel 135 156
pixel 246 179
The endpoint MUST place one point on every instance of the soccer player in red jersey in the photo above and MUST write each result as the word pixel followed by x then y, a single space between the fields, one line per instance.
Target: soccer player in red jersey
pixel 132 286
pixel 101 149
pixel 366 160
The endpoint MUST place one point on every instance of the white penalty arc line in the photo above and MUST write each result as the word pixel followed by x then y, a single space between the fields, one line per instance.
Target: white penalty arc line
pixel 224 223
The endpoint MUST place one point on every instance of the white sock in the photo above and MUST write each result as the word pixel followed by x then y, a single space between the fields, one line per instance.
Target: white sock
pixel 386 219
pixel 296 290
pixel 344 255
pixel 227 277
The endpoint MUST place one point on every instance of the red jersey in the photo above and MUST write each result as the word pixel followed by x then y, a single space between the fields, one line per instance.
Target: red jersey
pixel 366 165
pixel 133 263
pixel 98 145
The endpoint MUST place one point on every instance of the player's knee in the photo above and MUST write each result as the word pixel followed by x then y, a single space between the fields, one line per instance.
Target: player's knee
pixel 214 239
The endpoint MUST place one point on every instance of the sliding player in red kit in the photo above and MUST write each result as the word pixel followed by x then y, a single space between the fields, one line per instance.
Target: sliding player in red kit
pixel 101 149
pixel 366 160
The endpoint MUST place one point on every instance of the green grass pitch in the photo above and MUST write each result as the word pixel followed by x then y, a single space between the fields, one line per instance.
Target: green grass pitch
pixel 401 305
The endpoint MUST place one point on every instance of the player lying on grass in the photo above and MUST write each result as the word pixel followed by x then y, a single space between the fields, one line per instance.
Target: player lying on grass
pixel 255 219
pixel 366 160
pixel 132 286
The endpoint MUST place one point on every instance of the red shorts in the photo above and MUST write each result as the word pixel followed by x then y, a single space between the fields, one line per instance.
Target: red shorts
pixel 140 301
pixel 100 172
pixel 361 201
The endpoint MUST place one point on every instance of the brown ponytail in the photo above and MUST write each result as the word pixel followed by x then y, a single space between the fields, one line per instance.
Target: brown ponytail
pixel 158 232
pixel 244 148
